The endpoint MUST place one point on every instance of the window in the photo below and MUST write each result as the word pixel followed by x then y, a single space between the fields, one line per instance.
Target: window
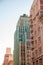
pixel 26 28
pixel 28 43
pixel 24 64
pixel 40 61
pixel 38 29
pixel 35 43
pixel 40 50
pixel 22 54
pixel 31 26
pixel 39 39
pixel 28 63
pixel 20 35
pixel 31 31
pixel 27 55
pixel 35 32
pixel 31 37
pixel 32 54
pixel 20 39
pixel 31 22
pixel 32 59
pixel 21 29
pixel 33 63
pixel 37 62
pixel 28 35
pixel 32 43
pixel 36 52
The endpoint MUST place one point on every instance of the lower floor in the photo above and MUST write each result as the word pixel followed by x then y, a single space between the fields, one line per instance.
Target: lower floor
pixel 38 61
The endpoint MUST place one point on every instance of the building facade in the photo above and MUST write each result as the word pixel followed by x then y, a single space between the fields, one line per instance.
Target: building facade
pixel 8 58
pixel 27 49
pixel 36 32
pixel 22 30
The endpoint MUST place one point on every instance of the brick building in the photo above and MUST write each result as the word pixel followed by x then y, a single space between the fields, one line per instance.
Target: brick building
pixel 36 32
pixel 8 58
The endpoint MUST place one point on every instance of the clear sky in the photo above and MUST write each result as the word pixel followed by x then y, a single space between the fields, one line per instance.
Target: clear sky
pixel 10 10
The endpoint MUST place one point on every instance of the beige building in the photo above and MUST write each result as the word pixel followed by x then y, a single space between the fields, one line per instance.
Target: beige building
pixel 36 34
pixel 27 50
pixel 8 58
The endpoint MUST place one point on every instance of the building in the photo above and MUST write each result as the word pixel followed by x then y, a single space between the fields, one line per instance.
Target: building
pixel 27 49
pixel 10 62
pixel 8 58
pixel 20 41
pixel 36 32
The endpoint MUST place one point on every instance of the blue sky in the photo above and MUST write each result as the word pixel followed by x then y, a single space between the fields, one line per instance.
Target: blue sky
pixel 10 11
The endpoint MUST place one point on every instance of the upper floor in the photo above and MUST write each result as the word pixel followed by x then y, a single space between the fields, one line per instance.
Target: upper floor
pixel 36 9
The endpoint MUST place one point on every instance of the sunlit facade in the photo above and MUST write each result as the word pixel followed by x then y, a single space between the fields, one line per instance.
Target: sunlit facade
pixel 36 32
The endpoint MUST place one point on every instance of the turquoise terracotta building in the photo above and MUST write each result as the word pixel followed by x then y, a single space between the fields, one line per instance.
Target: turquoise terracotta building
pixel 20 40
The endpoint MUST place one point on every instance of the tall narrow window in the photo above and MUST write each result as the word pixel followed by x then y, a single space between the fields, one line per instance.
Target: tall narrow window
pixel 39 39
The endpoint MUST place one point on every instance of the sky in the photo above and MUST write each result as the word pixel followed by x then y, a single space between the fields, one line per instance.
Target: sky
pixel 10 11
